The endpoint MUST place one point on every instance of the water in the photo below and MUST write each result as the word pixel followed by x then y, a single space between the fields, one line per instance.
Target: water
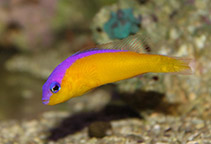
pixel 20 93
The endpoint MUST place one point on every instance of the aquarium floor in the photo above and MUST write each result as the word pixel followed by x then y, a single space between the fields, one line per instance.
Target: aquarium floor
pixel 63 127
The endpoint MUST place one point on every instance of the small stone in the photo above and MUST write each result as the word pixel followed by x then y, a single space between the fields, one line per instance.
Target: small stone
pixel 174 34
pixel 200 41
pixel 192 142
pixel 156 129
pixel 192 137
pixel 99 129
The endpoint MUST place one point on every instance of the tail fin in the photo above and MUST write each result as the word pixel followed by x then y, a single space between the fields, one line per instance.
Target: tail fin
pixel 180 65
pixel 187 65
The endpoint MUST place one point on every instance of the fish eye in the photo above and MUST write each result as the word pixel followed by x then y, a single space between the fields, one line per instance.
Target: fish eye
pixel 55 87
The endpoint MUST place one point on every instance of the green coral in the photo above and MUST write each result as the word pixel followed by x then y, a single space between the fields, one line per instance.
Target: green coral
pixel 121 24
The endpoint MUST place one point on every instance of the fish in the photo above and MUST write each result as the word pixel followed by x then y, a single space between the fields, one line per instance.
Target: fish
pixel 108 63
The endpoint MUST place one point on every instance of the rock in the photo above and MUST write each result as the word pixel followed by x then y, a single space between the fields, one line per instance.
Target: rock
pixel 99 129
pixel 172 32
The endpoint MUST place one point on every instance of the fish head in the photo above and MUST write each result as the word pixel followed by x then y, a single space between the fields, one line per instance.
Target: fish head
pixel 56 91
pixel 57 88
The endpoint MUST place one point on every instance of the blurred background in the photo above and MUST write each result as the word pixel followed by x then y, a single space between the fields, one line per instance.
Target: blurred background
pixel 36 35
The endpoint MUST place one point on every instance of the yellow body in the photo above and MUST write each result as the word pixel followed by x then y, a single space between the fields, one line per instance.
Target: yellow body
pixel 102 68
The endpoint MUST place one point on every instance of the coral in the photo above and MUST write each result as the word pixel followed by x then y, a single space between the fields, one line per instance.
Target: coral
pixel 121 24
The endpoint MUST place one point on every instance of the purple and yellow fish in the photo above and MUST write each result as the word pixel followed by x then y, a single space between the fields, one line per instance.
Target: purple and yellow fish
pixel 109 63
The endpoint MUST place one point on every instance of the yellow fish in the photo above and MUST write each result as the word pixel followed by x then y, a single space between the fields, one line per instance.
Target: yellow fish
pixel 108 63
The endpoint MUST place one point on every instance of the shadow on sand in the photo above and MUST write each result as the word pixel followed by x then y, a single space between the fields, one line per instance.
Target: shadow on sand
pixel 139 101
pixel 77 122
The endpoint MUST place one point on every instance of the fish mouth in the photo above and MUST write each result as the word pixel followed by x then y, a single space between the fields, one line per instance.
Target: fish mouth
pixel 45 102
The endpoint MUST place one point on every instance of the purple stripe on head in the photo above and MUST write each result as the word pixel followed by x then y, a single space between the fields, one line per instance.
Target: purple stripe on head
pixel 59 72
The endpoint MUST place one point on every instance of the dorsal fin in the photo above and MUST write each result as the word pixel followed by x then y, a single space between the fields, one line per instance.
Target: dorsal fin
pixel 85 50
pixel 136 43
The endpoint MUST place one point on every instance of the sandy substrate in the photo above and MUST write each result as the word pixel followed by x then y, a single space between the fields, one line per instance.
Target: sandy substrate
pixel 120 127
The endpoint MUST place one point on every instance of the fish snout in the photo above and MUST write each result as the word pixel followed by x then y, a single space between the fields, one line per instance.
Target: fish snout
pixel 45 101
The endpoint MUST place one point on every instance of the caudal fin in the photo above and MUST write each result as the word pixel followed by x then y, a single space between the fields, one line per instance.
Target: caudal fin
pixel 183 65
